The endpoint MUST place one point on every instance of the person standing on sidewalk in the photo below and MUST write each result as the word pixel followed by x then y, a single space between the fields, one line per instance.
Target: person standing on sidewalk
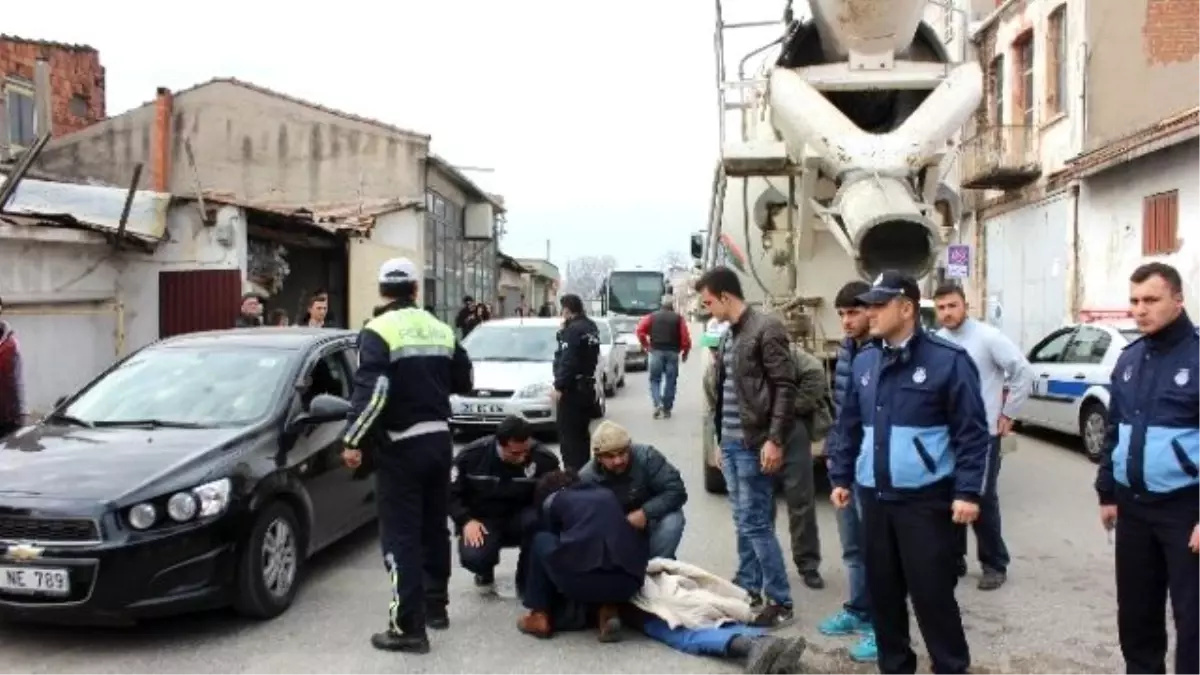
pixel 913 438
pixel 665 336
pixel 855 616
pixel 755 414
pixel 1000 364
pixel 1148 480
pixel 13 411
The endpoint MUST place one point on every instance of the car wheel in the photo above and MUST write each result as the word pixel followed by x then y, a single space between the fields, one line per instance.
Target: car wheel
pixel 1093 428
pixel 714 481
pixel 270 564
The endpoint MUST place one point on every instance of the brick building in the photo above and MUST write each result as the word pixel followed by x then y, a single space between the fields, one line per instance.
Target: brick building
pixel 76 88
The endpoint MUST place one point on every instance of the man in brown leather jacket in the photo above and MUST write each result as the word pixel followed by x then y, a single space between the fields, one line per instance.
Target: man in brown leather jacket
pixel 755 416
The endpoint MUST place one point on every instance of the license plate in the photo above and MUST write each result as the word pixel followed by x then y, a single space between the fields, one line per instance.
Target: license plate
pixel 481 408
pixel 35 580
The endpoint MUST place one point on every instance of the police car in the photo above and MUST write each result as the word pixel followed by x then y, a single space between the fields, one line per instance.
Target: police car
pixel 1071 369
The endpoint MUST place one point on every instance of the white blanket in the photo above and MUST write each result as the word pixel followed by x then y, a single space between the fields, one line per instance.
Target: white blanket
pixel 688 596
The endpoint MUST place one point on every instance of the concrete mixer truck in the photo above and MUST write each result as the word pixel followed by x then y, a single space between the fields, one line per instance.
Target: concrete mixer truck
pixel 834 160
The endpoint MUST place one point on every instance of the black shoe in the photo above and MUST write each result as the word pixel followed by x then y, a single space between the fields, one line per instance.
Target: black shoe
pixel 961 568
pixel 485 583
pixel 774 616
pixel 658 413
pixel 437 618
pixel 391 641
pixel 992 579
pixel 813 580
pixel 666 414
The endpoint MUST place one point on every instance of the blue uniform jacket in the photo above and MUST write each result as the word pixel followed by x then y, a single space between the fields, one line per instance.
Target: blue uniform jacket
pixel 913 422
pixel 1153 443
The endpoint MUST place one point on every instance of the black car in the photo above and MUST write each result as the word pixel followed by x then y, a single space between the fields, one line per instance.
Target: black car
pixel 200 471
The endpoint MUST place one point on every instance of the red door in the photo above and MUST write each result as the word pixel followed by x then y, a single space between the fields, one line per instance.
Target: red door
pixel 198 300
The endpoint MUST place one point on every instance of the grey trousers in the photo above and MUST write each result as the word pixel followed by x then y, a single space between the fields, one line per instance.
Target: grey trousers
pixel 799 492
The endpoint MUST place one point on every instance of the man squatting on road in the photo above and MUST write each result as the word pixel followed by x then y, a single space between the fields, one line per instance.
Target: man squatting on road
pixel 409 365
pixel 1147 480
pixel 912 438
pixel 1000 364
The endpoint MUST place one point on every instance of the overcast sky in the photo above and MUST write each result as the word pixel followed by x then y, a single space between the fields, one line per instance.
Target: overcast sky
pixel 599 118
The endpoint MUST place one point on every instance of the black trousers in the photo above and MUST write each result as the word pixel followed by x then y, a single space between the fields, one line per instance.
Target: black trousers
pixel 413 494
pixel 1153 560
pixel 911 547
pixel 574 415
pixel 989 535
pixel 512 532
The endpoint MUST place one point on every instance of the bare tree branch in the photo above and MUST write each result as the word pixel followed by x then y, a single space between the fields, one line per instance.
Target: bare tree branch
pixel 586 274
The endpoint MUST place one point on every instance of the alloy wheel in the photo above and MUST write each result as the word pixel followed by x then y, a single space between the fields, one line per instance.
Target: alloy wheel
pixel 279 558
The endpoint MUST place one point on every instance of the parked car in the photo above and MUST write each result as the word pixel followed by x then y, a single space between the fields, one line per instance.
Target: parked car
pixel 625 328
pixel 200 471
pixel 1071 369
pixel 514 374
pixel 612 358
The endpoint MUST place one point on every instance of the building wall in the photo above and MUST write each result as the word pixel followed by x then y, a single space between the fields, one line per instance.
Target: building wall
pixel 1150 47
pixel 454 267
pixel 76 80
pixel 395 235
pixel 1110 216
pixel 250 144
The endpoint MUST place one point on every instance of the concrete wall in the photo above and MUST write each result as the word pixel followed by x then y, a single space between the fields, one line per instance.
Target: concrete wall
pixel 1110 218
pixel 252 144
pixel 395 235
pixel 75 73
pixel 1142 64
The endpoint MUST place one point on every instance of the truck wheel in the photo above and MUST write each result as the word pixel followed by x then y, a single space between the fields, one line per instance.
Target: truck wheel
pixel 714 481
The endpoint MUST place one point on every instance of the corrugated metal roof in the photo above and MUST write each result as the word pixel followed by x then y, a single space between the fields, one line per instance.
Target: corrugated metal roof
pixel 92 206
pixel 333 217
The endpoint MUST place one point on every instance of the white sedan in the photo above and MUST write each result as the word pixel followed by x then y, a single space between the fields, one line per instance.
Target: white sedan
pixel 1071 369
pixel 513 360
pixel 612 358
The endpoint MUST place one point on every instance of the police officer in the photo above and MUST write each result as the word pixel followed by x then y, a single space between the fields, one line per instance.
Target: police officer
pixel 409 364
pixel 914 408
pixel 1148 476
pixel 491 497
pixel 575 382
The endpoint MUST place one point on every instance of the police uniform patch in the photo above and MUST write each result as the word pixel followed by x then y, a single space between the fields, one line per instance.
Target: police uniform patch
pixel 1128 374
pixel 530 469
pixel 1182 377
pixel 865 379
pixel 919 375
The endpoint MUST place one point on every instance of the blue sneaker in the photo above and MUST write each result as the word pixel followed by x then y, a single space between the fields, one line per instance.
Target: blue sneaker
pixel 865 651
pixel 842 623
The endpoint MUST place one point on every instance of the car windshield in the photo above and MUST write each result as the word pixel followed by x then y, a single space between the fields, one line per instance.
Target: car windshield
pixel 208 386
pixel 512 342
pixel 636 293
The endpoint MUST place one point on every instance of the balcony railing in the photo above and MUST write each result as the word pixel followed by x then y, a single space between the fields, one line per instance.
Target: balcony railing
pixel 1002 157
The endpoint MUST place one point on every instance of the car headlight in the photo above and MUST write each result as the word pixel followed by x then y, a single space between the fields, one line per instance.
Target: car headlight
pixel 541 390
pixel 202 501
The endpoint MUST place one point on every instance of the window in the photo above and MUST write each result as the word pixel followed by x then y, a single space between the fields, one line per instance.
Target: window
pixel 1056 61
pixel 1024 97
pixel 1160 223
pixel 1050 350
pixel 1089 346
pixel 21 119
pixel 328 376
pixel 997 77
pixel 78 106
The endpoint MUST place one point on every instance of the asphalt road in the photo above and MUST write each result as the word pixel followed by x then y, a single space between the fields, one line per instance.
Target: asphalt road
pixel 1056 614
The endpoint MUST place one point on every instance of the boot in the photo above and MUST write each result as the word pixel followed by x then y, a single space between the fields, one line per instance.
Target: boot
pixel 436 616
pixel 536 624
pixel 391 640
pixel 609 621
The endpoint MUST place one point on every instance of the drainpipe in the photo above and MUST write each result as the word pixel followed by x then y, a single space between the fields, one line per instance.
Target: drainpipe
pixel 160 162
pixel 1076 279
pixel 43 110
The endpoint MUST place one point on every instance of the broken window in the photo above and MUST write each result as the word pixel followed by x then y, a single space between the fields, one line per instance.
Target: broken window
pixel 1160 223
pixel 1056 62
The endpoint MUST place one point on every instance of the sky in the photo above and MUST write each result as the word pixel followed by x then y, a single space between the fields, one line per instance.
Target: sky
pixel 599 120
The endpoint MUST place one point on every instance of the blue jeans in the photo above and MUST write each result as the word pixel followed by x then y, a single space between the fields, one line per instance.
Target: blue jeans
pixel 665 535
pixel 698 641
pixel 760 557
pixel 850 531
pixel 664 365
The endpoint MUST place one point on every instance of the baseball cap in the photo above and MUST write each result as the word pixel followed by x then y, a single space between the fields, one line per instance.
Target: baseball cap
pixel 891 284
pixel 397 270
pixel 609 438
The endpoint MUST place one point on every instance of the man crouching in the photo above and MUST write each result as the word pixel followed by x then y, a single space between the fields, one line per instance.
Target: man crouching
pixel 491 497
pixel 646 484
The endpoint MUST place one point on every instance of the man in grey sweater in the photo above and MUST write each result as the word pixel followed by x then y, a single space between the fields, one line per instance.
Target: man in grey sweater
pixel 1001 364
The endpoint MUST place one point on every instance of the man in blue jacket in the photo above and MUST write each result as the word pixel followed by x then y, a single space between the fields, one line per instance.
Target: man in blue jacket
pixel 913 439
pixel 1148 475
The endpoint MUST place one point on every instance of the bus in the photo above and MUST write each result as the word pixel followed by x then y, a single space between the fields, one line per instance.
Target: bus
pixel 633 293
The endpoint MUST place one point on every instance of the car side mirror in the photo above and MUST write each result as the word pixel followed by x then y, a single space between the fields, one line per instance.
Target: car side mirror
pixel 697 247
pixel 323 408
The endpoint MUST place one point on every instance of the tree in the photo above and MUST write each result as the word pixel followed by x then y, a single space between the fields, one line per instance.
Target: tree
pixel 586 274
pixel 672 260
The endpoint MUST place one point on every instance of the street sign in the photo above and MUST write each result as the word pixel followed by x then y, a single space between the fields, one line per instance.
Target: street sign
pixel 958 261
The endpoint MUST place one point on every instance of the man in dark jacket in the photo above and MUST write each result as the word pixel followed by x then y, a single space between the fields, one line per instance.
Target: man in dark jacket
pixel 648 486
pixel 855 615
pixel 250 314
pixel 575 381
pixel 467 319
pixel 491 497
pixel 665 336
pixel 755 415
pixel 13 411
